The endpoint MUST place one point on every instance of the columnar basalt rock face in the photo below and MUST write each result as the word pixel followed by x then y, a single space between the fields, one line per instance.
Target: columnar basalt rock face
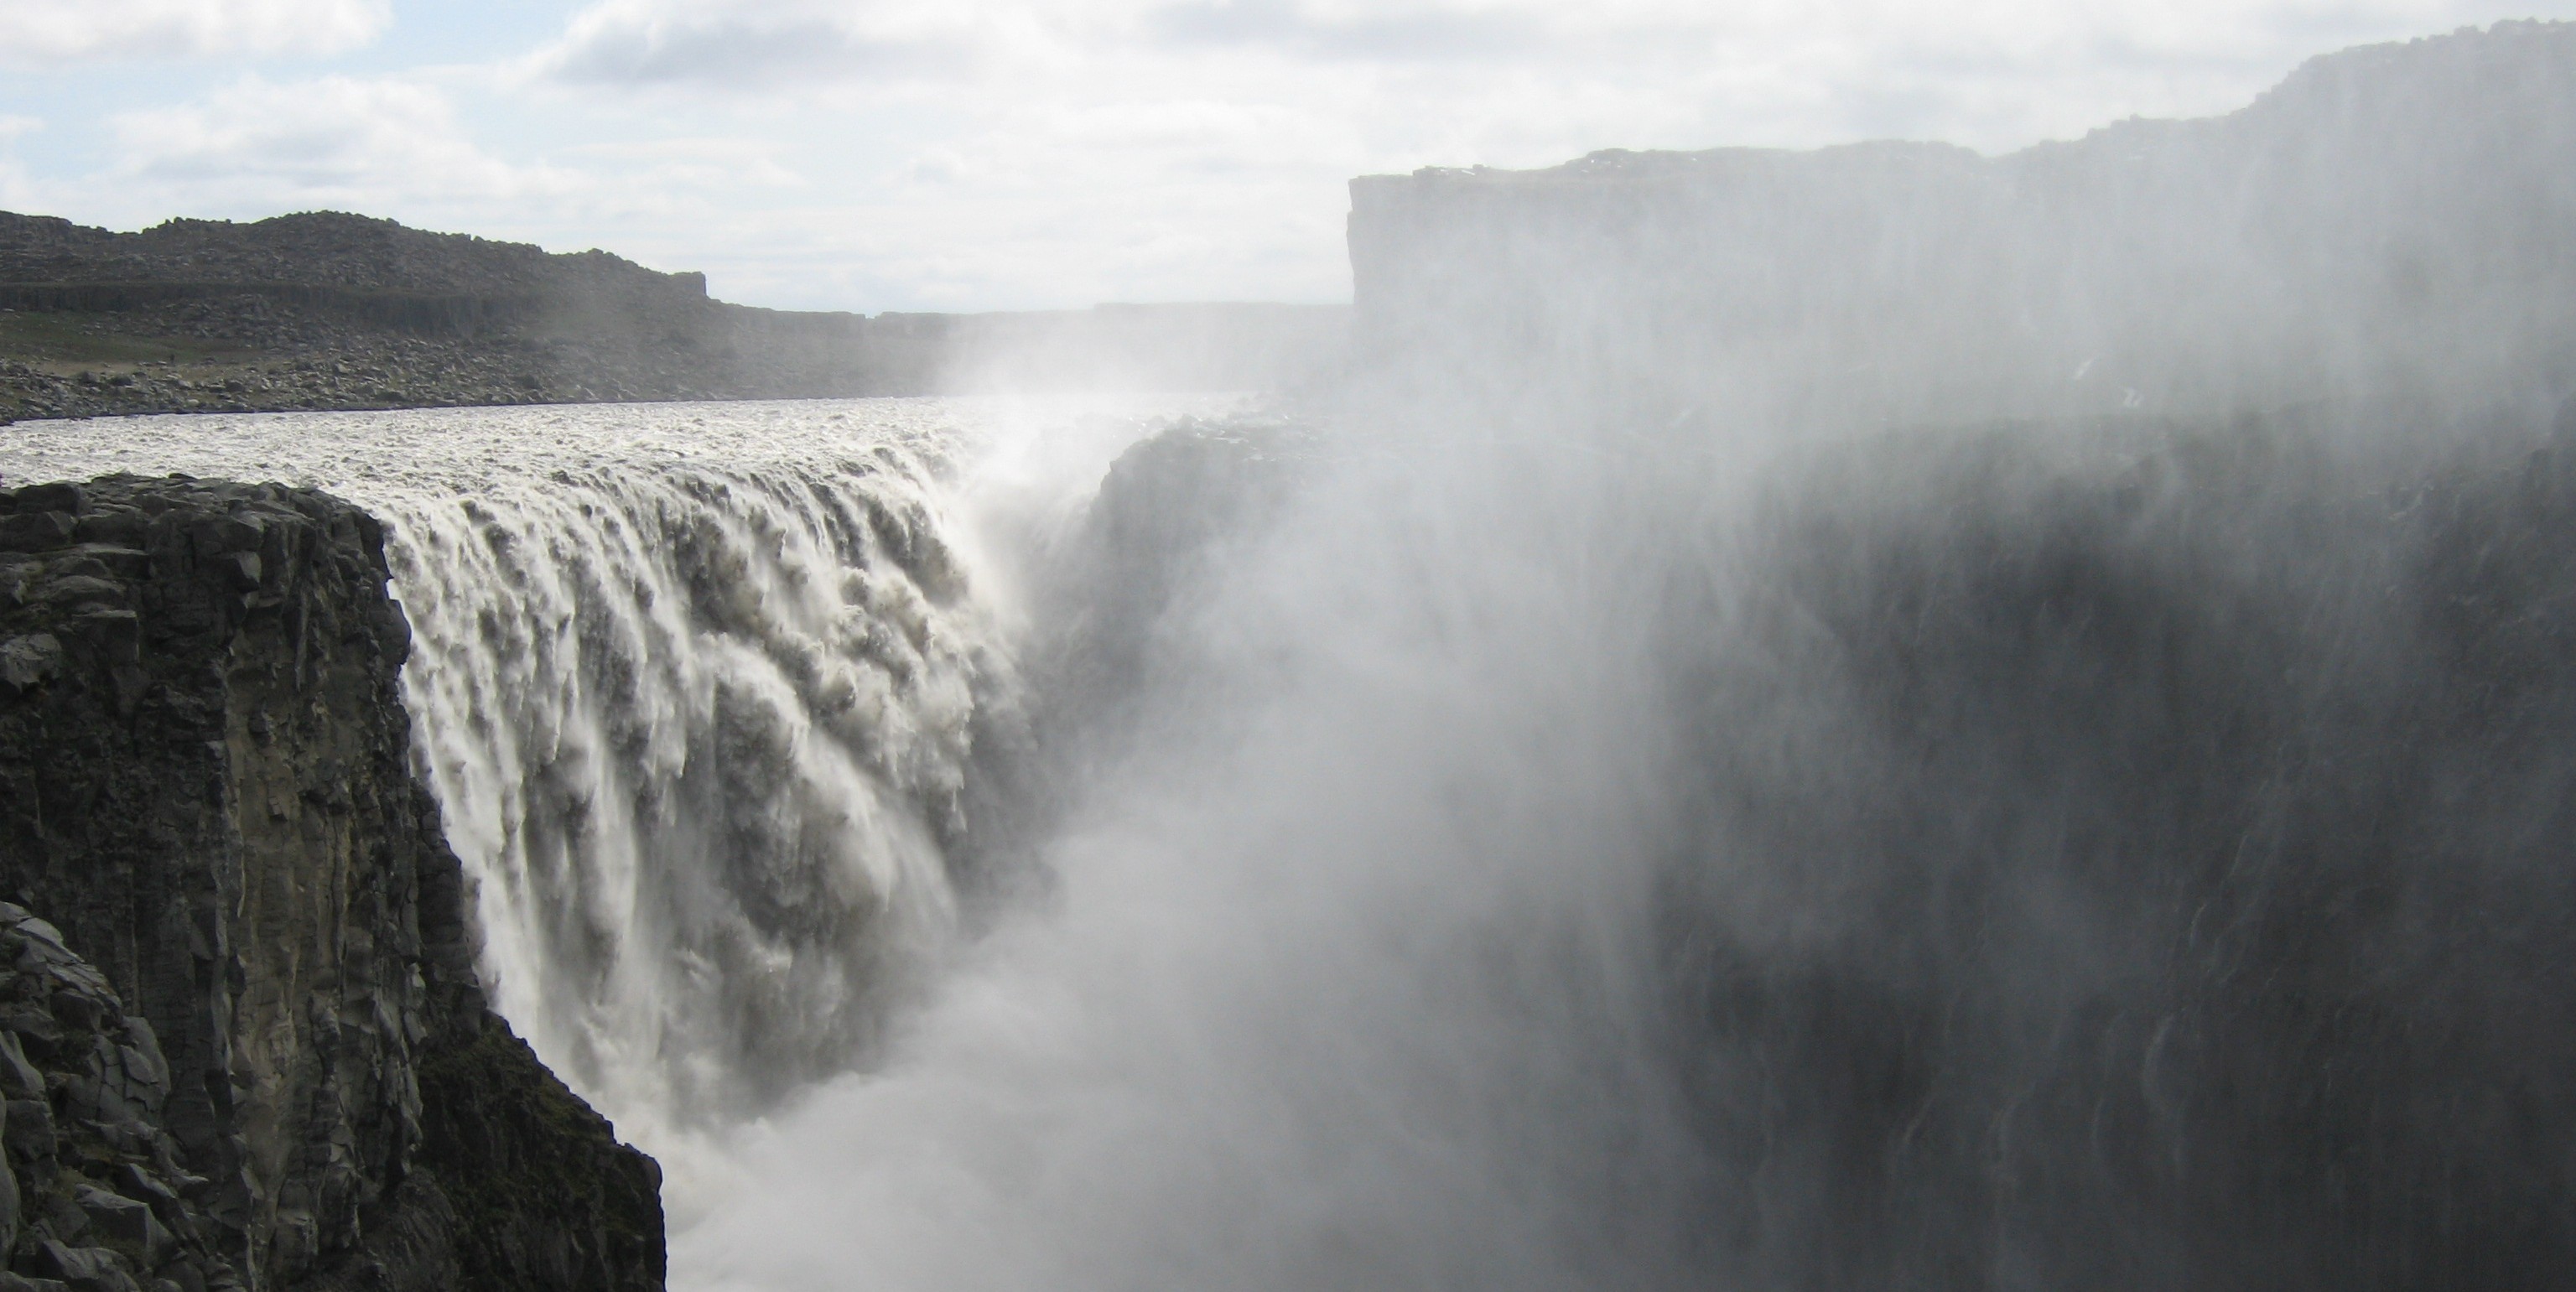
pixel 205 784
pixel 96 1191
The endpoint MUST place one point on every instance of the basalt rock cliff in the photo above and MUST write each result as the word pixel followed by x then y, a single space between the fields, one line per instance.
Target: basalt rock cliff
pixel 243 1041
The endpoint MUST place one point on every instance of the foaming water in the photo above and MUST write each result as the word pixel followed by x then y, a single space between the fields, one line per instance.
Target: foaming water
pixel 2003 857
pixel 1335 978
pixel 1342 987
pixel 696 685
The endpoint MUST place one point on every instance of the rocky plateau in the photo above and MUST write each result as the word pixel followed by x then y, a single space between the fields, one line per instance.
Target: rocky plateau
pixel 332 311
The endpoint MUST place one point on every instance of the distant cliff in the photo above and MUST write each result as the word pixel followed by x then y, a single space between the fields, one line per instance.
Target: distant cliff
pixel 326 310
pixel 2392 219
pixel 244 976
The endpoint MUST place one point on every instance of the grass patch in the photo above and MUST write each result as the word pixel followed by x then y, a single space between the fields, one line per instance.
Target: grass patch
pixel 57 340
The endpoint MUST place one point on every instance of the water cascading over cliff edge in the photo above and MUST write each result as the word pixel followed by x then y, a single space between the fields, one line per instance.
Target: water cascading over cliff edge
pixel 704 731
pixel 1782 758
pixel 250 1050
pixel 696 688
pixel 1768 823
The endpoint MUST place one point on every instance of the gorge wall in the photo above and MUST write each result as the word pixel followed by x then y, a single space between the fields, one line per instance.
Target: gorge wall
pixel 250 1001
pixel 2106 613
pixel 324 310
pixel 2391 220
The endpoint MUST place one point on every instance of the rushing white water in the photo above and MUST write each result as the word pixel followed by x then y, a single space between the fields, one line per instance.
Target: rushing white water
pixel 1331 984
pixel 1343 989
pixel 1511 860
pixel 1688 790
pixel 696 686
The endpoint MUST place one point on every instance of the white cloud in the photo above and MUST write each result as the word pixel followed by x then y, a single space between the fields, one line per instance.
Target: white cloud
pixel 1031 152
pixel 338 141
pixel 42 32
pixel 1403 83
pixel 758 43
pixel 14 187
pixel 753 45
pixel 980 154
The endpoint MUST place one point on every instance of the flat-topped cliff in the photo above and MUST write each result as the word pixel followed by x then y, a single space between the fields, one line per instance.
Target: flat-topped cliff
pixel 209 819
pixel 350 252
pixel 327 311
pixel 2390 219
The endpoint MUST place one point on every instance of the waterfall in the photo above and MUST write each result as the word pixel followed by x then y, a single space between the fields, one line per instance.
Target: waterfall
pixel 702 732
pixel 697 688
pixel 2123 853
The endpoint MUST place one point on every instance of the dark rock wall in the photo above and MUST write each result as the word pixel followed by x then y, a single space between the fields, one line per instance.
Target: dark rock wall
pixel 2143 865
pixel 204 781
pixel 96 1193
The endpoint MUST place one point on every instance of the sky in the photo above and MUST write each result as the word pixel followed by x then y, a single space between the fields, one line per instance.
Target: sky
pixel 1012 154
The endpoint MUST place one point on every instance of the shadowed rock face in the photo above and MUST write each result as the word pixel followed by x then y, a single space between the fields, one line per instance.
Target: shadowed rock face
pixel 95 1192
pixel 204 782
pixel 2141 867
pixel 2130 848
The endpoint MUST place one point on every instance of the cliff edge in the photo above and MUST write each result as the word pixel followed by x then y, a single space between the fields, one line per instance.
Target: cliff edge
pixel 244 998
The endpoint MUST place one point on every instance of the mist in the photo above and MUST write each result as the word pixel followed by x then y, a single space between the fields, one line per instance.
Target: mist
pixel 1882 717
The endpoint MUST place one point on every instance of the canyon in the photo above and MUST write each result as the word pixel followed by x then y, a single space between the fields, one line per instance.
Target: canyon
pixel 1867 717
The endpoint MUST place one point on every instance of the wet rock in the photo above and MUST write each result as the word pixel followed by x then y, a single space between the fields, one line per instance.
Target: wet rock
pixel 11 1199
pixel 110 560
pixel 28 660
pixel 126 528
pixel 62 496
pixel 240 570
pixel 244 1044
pixel 31 1129
pixel 85 1269
pixel 40 532
pixel 126 1222
pixel 82 591
pixel 115 636
pixel 18 1078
